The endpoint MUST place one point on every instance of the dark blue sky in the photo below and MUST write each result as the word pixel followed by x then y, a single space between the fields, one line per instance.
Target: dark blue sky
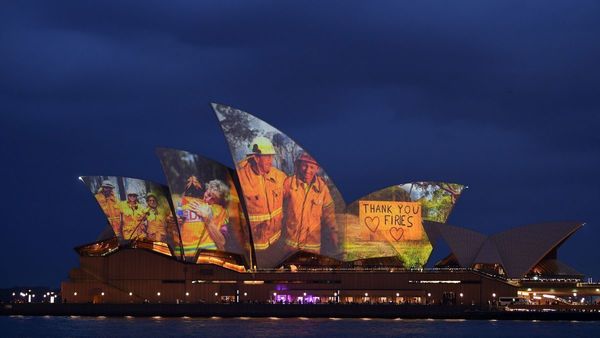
pixel 503 96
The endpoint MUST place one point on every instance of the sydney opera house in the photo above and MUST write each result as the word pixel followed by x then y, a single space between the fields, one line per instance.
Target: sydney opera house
pixel 276 229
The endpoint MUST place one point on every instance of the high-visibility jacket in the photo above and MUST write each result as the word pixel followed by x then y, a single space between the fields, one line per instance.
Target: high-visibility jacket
pixel 111 209
pixel 236 233
pixel 263 195
pixel 198 232
pixel 156 224
pixel 133 220
pixel 307 207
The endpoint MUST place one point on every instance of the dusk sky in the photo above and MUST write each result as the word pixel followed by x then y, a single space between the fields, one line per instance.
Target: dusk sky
pixel 502 96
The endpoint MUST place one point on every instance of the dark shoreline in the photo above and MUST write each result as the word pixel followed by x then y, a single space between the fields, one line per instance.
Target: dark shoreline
pixel 289 311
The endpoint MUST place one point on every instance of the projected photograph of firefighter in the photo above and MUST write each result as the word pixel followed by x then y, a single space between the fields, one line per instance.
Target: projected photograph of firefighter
pixel 207 204
pixel 290 200
pixel 136 210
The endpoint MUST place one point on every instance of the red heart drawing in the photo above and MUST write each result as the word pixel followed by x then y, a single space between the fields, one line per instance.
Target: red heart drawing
pixel 396 233
pixel 372 223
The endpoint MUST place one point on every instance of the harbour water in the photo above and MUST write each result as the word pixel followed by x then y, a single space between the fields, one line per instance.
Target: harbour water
pixel 156 327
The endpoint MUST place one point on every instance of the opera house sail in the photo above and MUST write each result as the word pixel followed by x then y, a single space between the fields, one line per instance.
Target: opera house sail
pixel 275 227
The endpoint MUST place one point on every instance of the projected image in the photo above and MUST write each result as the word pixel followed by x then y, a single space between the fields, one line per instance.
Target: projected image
pixel 437 198
pixel 135 209
pixel 290 200
pixel 207 205
pixel 389 222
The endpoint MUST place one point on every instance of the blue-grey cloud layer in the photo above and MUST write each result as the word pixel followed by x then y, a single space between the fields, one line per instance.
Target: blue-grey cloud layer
pixel 502 96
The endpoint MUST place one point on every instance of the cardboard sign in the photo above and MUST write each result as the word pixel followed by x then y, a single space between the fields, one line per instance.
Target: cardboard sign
pixel 397 221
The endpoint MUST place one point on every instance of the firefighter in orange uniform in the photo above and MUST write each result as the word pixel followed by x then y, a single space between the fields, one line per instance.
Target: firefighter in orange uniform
pixel 308 207
pixel 190 224
pixel 156 220
pixel 109 204
pixel 133 216
pixel 205 219
pixel 262 186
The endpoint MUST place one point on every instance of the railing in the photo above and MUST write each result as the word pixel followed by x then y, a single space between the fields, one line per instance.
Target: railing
pixel 366 269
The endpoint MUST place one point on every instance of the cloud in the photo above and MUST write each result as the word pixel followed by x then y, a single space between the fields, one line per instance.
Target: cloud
pixel 501 96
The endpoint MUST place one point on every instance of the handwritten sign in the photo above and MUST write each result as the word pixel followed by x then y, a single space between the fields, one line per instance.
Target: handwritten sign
pixel 396 220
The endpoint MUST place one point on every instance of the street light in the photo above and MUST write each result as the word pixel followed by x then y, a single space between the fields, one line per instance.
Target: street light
pixel 158 293
pixel 130 294
pixel 187 294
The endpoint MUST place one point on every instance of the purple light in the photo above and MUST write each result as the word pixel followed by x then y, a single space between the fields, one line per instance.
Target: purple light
pixel 283 298
pixel 281 287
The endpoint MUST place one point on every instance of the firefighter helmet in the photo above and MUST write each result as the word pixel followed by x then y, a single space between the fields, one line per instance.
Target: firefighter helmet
pixel 107 184
pixel 132 191
pixel 305 157
pixel 261 145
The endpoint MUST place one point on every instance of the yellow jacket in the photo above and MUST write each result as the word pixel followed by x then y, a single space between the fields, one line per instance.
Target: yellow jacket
pixel 263 195
pixel 156 224
pixel 133 220
pixel 307 208
pixel 198 232
pixel 111 209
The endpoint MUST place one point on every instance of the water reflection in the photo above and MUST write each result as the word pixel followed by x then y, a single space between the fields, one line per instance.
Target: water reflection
pixel 20 326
